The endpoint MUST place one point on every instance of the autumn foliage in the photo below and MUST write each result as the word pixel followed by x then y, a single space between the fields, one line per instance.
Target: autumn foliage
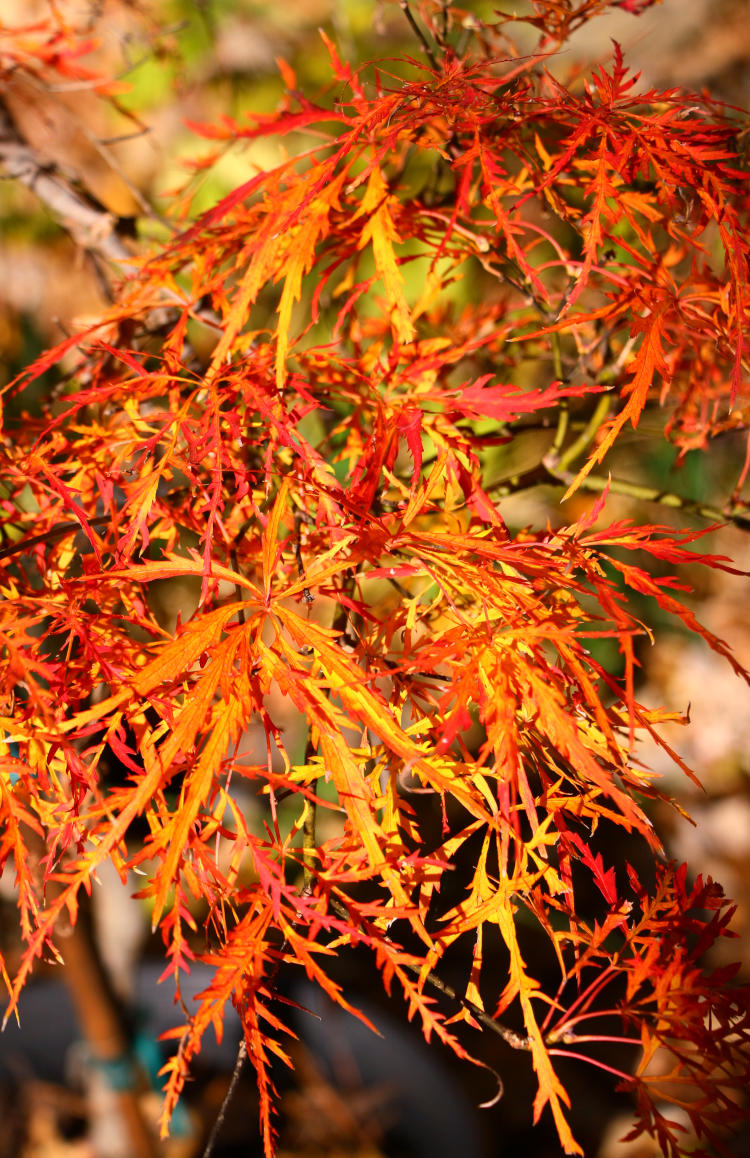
pixel 297 399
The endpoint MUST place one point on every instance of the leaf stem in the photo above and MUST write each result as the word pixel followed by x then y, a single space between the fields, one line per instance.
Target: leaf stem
pixel 563 423
pixel 557 356
pixel 587 435
pixel 591 1061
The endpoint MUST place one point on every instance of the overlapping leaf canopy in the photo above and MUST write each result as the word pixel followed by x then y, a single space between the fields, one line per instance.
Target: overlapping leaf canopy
pixel 449 255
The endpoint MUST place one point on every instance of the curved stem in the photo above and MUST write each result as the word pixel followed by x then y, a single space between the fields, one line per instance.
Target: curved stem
pixel 592 1061
pixel 576 1039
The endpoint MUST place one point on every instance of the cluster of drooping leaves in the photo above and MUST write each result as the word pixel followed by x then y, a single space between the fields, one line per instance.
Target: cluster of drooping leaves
pixel 452 251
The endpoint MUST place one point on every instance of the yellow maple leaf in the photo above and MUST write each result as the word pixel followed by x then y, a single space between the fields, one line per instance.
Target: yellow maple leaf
pixel 381 232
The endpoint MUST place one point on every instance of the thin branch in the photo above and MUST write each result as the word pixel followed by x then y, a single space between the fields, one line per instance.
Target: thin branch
pixel 445 6
pixel 509 1036
pixel 309 846
pixel 739 515
pixel 90 225
pixel 239 1065
pixel 24 545
pixel 548 472
pixel 419 34
pixel 587 435
pixel 563 422
pixel 307 595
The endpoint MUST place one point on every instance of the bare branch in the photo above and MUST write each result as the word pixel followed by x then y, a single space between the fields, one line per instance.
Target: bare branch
pixel 90 225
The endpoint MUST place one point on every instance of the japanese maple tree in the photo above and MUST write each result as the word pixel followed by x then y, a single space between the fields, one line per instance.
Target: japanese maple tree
pixel 454 249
